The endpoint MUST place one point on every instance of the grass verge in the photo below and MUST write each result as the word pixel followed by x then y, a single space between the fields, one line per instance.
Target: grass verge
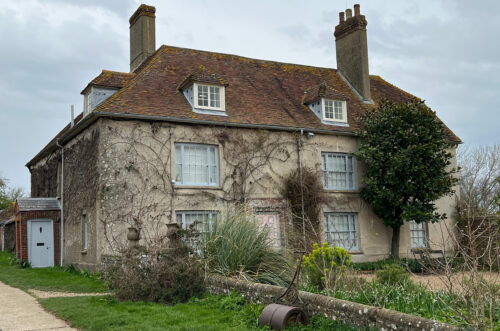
pixel 46 279
pixel 209 313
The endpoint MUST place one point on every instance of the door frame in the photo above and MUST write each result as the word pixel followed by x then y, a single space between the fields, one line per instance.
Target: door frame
pixel 51 253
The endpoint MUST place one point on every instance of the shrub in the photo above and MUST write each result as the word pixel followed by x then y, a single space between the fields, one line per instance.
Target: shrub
pixel 236 246
pixel 325 265
pixel 23 264
pixel 305 194
pixel 168 276
pixel 392 274
pixel 411 265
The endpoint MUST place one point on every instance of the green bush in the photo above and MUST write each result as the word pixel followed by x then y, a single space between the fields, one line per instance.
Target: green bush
pixel 411 265
pixel 392 274
pixel 323 266
pixel 169 276
pixel 237 247
pixel 23 264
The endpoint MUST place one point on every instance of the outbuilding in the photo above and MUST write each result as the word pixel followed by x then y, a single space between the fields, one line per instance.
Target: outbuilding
pixel 37 222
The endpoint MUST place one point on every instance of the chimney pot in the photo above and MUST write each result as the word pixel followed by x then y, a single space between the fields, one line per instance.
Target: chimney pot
pixel 357 10
pixel 348 13
pixel 341 17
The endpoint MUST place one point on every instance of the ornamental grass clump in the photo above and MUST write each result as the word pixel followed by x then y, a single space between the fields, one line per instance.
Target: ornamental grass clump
pixel 237 247
pixel 325 266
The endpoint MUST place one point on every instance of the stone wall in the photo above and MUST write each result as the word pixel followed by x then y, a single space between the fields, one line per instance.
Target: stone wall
pixel 336 309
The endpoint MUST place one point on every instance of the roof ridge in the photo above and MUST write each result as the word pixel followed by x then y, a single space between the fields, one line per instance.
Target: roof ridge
pixel 247 58
pixel 117 72
pixel 128 84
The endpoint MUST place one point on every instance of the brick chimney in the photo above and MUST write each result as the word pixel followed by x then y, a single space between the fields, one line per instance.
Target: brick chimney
pixel 352 51
pixel 142 35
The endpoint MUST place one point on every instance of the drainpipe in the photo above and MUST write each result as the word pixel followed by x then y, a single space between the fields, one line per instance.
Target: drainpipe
pixel 299 150
pixel 61 232
pixel 3 237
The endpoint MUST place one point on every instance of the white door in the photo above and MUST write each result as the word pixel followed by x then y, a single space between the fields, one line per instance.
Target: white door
pixel 41 241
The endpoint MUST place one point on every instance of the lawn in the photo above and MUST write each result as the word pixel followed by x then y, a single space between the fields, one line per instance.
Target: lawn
pixel 209 313
pixel 46 279
pixel 109 314
pixel 229 312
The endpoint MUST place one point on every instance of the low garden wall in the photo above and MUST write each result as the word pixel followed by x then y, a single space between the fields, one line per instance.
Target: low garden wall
pixel 345 311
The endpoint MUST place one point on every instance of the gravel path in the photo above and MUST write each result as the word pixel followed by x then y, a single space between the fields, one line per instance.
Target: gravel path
pixel 21 311
pixel 49 294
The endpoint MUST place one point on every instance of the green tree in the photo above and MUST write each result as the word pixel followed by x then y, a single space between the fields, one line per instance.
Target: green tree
pixel 8 194
pixel 405 151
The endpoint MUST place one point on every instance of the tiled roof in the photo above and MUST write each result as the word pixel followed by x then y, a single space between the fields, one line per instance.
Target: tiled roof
pixel 111 79
pixel 258 92
pixel 28 204
pixel 202 75
pixel 322 91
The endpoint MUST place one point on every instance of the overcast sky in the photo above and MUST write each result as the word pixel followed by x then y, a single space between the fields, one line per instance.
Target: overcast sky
pixel 446 52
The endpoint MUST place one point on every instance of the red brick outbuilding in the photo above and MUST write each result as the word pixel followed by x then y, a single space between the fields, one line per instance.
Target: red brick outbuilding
pixel 37 231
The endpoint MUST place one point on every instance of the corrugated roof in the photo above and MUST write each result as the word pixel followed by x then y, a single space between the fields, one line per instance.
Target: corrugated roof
pixel 30 204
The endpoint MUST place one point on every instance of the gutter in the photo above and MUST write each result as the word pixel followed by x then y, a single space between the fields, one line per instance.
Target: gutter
pixel 92 117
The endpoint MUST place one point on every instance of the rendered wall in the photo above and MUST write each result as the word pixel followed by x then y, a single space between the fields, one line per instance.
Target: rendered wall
pixel 133 151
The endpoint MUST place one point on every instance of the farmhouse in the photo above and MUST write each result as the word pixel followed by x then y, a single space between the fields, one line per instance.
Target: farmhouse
pixel 187 134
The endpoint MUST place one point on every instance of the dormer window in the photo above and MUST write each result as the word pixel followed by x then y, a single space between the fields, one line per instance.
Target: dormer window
pixel 334 110
pixel 209 97
pixel 328 104
pixel 205 92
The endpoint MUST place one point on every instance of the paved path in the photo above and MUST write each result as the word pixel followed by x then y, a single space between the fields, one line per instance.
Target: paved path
pixel 21 311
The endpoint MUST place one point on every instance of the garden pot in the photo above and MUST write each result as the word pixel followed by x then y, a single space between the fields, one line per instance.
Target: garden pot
pixel 133 234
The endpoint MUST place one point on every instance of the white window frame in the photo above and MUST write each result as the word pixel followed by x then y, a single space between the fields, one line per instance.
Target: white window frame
pixel 213 216
pixel 422 227
pixel 344 110
pixel 324 156
pixel 85 232
pixel 222 96
pixel 353 233
pixel 182 182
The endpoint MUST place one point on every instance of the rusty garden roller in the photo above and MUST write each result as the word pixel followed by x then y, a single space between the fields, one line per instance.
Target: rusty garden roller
pixel 280 316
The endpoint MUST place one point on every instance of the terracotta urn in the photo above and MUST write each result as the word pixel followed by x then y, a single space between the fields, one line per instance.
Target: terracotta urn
pixel 172 234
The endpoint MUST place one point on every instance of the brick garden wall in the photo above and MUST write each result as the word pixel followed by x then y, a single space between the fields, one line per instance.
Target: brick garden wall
pixel 345 311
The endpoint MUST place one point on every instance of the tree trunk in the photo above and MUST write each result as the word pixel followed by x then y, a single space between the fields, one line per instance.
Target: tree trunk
pixel 395 242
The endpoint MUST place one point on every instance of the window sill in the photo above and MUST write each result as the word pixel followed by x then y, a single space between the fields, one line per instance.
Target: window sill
pixel 84 252
pixel 341 191
pixel 356 252
pixel 198 187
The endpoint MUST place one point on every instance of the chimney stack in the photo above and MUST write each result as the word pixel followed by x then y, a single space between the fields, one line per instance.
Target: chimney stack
pixel 142 35
pixel 352 51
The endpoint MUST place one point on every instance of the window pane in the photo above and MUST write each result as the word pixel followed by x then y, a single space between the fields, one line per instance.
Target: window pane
pixel 214 96
pixel 201 221
pixel 418 235
pixel 196 164
pixel 329 109
pixel 338 171
pixel 202 95
pixel 341 230
pixel 339 115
